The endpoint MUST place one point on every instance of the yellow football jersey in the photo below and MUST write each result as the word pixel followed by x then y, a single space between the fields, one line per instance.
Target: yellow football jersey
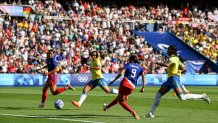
pixel 96 74
pixel 173 68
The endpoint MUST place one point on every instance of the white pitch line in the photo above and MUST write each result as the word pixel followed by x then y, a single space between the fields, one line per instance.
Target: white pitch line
pixel 32 116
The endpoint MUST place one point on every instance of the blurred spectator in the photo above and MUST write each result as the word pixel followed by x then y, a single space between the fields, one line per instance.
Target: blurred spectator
pixel 79 27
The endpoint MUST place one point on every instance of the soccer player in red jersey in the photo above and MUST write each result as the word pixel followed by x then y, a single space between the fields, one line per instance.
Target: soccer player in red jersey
pixel 51 82
pixel 132 70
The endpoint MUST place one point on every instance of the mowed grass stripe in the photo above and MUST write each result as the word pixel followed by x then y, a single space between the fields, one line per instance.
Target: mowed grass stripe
pixel 24 101
pixel 51 118
pixel 150 91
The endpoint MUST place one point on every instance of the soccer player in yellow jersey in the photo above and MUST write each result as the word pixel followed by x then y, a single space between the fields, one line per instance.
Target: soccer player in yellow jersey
pixel 173 65
pixel 182 86
pixel 97 79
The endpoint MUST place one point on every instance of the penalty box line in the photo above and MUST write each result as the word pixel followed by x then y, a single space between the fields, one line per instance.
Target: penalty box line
pixel 63 119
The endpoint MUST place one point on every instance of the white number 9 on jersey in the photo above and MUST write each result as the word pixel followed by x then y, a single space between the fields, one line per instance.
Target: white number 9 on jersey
pixel 133 73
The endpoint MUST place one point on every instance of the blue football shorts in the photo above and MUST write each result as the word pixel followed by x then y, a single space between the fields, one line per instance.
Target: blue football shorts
pixel 98 82
pixel 172 82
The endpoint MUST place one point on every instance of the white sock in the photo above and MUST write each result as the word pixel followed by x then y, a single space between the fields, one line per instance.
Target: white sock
pixel 191 96
pixel 156 102
pixel 183 87
pixel 114 91
pixel 82 98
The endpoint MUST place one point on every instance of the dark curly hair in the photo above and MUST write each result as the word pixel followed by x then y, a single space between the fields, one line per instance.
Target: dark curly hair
pixel 134 58
pixel 173 49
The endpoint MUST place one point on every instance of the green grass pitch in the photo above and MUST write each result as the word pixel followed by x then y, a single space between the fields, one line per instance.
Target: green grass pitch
pixel 20 105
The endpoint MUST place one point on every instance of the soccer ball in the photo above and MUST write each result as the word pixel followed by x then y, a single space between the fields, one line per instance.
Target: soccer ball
pixel 58 104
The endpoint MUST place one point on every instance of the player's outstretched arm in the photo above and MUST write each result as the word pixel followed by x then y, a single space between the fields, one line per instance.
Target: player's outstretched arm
pixel 41 68
pixel 161 64
pixel 143 82
pixel 118 76
pixel 53 71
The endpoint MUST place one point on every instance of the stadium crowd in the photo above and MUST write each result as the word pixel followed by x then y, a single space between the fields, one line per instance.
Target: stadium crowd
pixel 82 26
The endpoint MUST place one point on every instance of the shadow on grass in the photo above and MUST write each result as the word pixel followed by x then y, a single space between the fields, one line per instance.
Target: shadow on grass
pixel 27 108
pixel 77 116
pixel 16 108
pixel 69 116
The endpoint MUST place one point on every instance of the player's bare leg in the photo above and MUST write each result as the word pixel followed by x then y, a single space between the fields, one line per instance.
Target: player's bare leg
pixel 83 96
pixel 135 115
pixel 110 90
pixel 44 95
pixel 70 87
pixel 75 103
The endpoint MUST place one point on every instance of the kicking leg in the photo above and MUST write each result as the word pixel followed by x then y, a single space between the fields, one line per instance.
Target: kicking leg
pixel 83 96
pixel 56 91
pixel 122 102
pixel 105 87
pixel 107 106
